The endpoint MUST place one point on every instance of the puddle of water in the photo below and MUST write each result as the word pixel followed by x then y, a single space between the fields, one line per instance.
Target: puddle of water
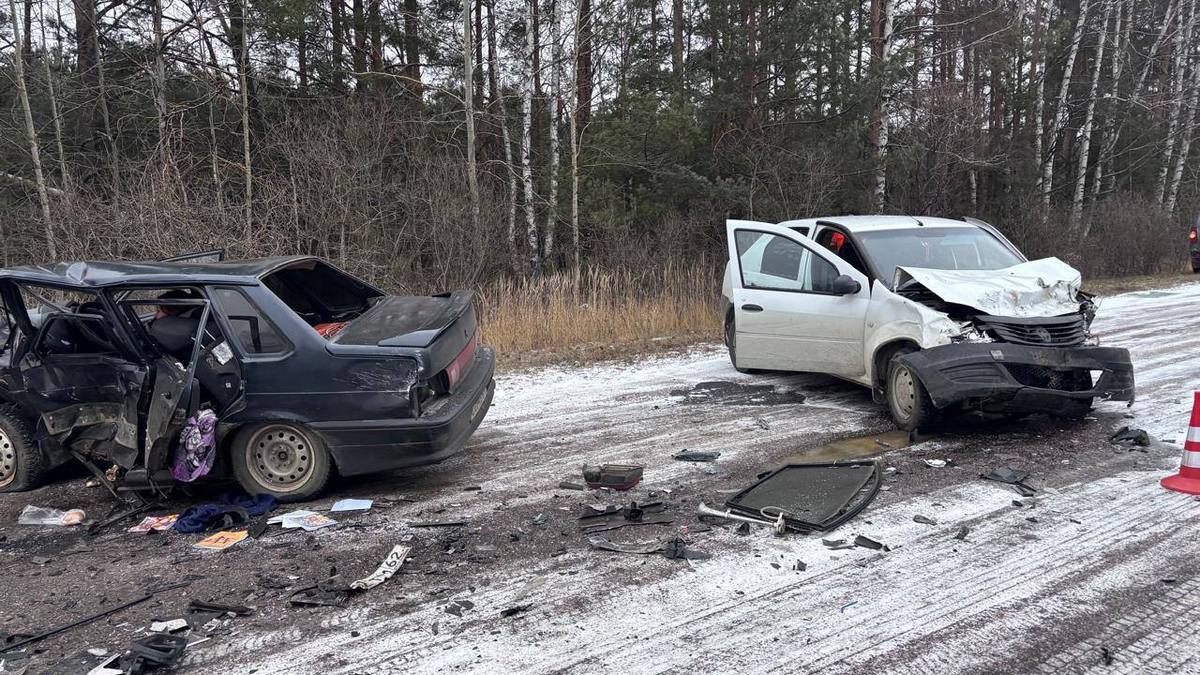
pixel 736 393
pixel 852 448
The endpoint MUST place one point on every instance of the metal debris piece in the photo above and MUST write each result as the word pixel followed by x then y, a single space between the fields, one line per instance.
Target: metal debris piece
pixel 457 607
pixel 68 626
pixel 696 456
pixel 936 463
pixel 391 563
pixel 800 566
pixel 219 607
pixel 836 544
pixel 867 542
pixel 924 520
pixel 676 548
pixel 571 485
pixel 315 596
pixel 1011 476
pixel 645 547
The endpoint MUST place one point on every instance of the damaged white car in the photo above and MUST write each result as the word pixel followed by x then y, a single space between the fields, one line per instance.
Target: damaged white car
pixel 933 314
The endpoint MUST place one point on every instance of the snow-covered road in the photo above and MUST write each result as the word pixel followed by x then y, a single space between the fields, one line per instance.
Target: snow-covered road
pixel 1100 574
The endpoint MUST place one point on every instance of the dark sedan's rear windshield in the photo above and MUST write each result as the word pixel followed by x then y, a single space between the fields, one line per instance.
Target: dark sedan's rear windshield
pixel 939 248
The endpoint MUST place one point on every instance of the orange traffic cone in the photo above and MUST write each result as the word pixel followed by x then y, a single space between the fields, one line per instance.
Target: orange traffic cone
pixel 1188 478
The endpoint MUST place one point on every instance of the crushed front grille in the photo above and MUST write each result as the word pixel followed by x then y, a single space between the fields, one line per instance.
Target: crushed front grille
pixel 1058 331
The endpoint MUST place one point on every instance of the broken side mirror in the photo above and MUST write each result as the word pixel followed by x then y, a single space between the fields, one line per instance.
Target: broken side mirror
pixel 844 285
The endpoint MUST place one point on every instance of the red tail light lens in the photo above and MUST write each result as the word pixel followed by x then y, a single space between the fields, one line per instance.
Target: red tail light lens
pixel 1192 235
pixel 458 367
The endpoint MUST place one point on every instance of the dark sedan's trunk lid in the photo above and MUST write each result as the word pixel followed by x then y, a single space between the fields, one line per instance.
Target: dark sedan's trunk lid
pixel 443 324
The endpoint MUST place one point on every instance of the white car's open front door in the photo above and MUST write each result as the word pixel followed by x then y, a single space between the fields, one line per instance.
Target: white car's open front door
pixel 794 303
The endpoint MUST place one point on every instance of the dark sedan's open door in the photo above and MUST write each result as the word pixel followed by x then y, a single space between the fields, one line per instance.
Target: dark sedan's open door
pixel 85 389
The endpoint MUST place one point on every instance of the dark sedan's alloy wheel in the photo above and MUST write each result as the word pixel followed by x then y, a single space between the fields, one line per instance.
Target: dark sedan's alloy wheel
pixel 280 459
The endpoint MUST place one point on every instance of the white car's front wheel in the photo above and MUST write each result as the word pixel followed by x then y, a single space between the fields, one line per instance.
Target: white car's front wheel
pixel 907 399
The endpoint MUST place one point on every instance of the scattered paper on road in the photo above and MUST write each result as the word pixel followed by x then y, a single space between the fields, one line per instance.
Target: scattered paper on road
pixel 221 540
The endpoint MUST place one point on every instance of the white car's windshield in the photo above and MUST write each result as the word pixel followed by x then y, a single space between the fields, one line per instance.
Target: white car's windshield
pixel 947 248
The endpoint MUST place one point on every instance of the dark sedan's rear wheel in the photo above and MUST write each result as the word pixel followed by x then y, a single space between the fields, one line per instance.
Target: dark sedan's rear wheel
pixel 21 465
pixel 282 459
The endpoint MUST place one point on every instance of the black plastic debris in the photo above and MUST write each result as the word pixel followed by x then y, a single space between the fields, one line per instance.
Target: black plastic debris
pixel 457 607
pixel 219 607
pixel 811 497
pixel 315 597
pixel 613 517
pixel 1011 476
pixel 439 523
pixel 644 547
pixel 272 580
pixel 962 533
pixel 1128 435
pixel 514 610
pixel 742 528
pixel 800 566
pixel 677 549
pixel 570 485
pixel 1106 656
pixel 154 651
pixel 924 520
pixel 864 541
pixel 696 456
pixel 612 476
pixel 737 393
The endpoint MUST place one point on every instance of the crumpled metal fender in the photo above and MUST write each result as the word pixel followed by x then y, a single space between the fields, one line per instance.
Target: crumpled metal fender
pixel 893 318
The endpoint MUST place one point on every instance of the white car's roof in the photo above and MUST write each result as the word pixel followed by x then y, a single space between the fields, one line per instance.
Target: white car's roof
pixel 872 223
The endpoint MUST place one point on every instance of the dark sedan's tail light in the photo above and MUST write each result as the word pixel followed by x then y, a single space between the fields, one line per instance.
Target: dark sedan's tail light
pixel 461 363
pixel 1192 235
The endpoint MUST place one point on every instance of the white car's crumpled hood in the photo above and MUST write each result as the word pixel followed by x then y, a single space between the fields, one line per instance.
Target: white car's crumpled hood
pixel 1038 288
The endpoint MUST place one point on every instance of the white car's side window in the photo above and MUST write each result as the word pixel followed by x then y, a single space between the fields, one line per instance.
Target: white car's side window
pixel 772 262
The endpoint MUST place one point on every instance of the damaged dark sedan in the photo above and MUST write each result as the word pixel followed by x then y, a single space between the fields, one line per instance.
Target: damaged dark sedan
pixel 933 314
pixel 278 372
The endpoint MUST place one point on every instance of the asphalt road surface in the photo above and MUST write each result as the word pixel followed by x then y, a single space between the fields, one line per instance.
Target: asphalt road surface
pixel 1099 571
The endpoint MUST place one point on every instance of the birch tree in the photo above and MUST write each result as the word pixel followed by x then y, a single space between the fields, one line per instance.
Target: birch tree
pixel 1085 131
pixel 881 36
pixel 35 158
pixel 555 116
pixel 531 233
pixel 1186 133
pixel 1180 51
pixel 1060 110
pixel 469 106
pixel 496 94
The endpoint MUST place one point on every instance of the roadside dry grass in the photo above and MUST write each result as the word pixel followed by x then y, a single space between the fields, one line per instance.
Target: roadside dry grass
pixel 598 315
pixel 594 315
